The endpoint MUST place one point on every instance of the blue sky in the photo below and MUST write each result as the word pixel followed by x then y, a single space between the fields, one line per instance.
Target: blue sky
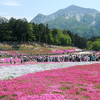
pixel 30 8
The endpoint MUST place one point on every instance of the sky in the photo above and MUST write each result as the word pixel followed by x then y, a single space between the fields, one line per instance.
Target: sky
pixel 30 8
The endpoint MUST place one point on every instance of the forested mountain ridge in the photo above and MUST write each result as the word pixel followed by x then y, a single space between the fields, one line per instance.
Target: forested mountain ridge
pixel 83 21
pixel 20 30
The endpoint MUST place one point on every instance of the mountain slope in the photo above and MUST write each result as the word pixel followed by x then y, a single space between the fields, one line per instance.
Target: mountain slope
pixel 67 13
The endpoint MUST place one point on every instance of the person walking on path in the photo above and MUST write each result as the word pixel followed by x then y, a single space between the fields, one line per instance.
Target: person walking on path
pixel 11 60
pixel 14 60
pixel 21 59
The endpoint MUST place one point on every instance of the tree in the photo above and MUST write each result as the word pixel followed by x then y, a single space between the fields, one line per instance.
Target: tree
pixel 89 44
pixel 80 42
pixel 47 32
pixel 54 33
pixel 22 29
pixel 36 31
pixel 11 24
pixel 4 30
pixel 41 28
pixel 18 29
pixel 50 38
pixel 96 45
pixel 31 33
pixel 72 36
pixel 3 20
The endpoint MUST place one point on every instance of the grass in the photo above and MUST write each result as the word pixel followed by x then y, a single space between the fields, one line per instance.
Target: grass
pixel 82 89
pixel 98 87
pixel 31 49
pixel 52 49
pixel 66 47
pixel 65 88
pixel 5 46
pixel 3 97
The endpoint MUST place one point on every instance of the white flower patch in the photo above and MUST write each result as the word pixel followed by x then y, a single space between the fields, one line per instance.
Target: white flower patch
pixel 9 72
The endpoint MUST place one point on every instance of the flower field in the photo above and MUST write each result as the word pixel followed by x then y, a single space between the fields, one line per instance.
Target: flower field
pixel 80 82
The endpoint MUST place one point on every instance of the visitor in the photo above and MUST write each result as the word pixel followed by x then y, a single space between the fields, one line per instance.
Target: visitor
pixel 14 60
pixel 21 59
pixel 73 58
pixel 11 60
pixel 93 58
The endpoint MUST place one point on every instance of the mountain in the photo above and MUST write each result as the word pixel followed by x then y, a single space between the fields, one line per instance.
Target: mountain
pixel 83 21
pixel 68 12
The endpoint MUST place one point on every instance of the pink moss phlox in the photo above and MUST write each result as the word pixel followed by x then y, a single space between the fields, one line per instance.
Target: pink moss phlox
pixel 77 82
pixel 63 51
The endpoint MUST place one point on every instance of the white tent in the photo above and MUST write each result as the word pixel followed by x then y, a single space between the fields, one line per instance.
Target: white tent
pixel 78 50
pixel 84 52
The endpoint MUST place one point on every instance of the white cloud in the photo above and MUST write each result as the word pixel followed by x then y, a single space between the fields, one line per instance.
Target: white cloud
pixel 4 13
pixel 9 3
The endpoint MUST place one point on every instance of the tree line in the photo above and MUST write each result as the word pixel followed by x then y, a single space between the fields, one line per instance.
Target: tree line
pixel 21 30
pixel 93 43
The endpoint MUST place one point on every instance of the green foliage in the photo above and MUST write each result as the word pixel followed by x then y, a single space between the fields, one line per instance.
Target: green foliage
pixel 63 23
pixel 94 38
pixel 87 19
pixel 80 42
pixel 97 17
pixel 89 43
pixel 81 30
pixel 3 97
pixel 50 38
pixel 97 25
pixel 60 38
pixel 95 45
pixel 31 34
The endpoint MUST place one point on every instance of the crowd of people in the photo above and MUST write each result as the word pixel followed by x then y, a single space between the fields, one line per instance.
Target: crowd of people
pixel 70 57
pixel 61 58
pixel 65 58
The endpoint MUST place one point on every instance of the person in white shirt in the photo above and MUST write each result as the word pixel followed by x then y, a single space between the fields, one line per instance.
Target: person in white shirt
pixel 11 60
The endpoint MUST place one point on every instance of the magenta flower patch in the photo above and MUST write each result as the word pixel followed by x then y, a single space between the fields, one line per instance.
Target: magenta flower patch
pixel 79 82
